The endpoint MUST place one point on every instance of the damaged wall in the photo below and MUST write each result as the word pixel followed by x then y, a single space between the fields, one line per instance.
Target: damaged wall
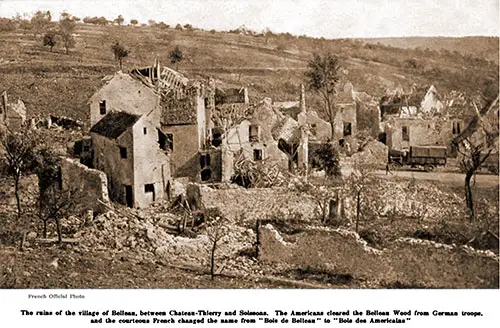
pixel 254 138
pixel 346 124
pixel 12 115
pixel 184 156
pixel 92 184
pixel 319 129
pixel 256 203
pixel 150 164
pixel 407 261
pixel 107 158
pixel 126 94
pixel 238 140
pixel 401 133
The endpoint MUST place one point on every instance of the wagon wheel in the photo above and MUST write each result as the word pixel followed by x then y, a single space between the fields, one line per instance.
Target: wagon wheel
pixel 395 166
pixel 429 168
pixel 493 170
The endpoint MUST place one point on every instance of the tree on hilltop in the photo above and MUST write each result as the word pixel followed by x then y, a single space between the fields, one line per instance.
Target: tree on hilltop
pixel 67 24
pixel 176 56
pixel 40 22
pixel 49 39
pixel 119 20
pixel 120 52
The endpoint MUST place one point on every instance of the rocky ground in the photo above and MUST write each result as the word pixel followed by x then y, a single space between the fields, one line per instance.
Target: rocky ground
pixel 142 248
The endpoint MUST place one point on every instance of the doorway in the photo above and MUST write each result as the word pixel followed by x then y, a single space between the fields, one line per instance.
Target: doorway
pixel 128 196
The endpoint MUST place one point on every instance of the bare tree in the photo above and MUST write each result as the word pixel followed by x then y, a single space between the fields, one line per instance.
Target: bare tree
pixel 49 39
pixel 322 78
pixel 40 21
pixel 67 25
pixel 120 52
pixel 267 34
pixel 119 20
pixel 176 57
pixel 325 196
pixel 478 142
pixel 360 179
pixel 216 230
pixel 56 204
pixel 19 158
pixel 473 155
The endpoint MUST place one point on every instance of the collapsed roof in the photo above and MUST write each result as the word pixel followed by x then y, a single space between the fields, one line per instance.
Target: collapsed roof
pixel 175 92
pixel 114 124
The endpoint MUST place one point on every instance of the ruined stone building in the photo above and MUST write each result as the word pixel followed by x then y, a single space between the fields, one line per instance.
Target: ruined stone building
pixel 263 132
pixel 12 115
pixel 185 122
pixel 253 137
pixel 320 131
pixel 129 149
pixel 177 106
pixel 401 133
pixel 153 125
pixel 417 119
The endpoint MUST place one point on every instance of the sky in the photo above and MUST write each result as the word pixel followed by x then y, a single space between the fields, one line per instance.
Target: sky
pixel 318 18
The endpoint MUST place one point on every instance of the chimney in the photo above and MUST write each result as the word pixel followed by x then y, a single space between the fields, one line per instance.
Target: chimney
pixel 302 99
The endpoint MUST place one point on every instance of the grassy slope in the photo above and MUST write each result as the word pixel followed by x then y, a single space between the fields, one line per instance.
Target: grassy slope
pixel 62 84
pixel 480 47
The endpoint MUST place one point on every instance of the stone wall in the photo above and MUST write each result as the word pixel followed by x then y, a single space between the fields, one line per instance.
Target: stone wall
pixel 255 203
pixel 91 184
pixel 407 261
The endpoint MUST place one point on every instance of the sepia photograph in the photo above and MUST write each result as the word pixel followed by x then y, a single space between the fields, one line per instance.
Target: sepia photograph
pixel 249 144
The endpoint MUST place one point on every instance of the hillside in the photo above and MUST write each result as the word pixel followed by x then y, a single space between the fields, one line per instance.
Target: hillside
pixel 53 82
pixel 474 46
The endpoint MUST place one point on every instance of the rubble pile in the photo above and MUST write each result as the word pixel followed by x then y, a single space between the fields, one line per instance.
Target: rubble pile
pixel 423 200
pixel 258 174
pixel 196 251
pixel 372 152
pixel 148 233
pixel 113 231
